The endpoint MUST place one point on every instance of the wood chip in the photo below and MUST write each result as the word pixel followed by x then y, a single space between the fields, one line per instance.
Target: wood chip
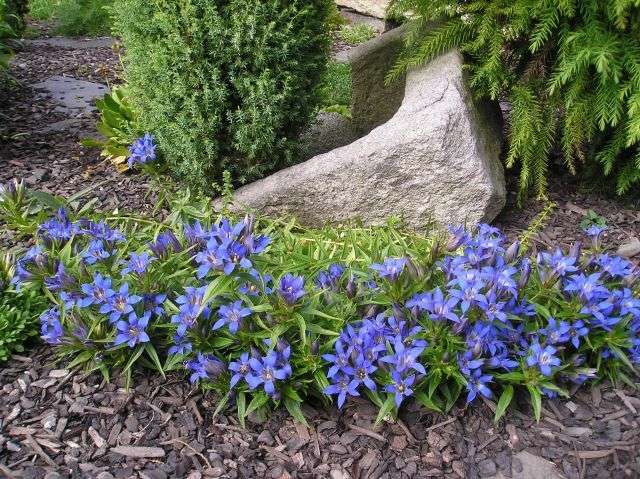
pixel 441 424
pixel 626 401
pixel 303 431
pixel 58 373
pixel 33 444
pixel 593 454
pixel 97 439
pixel 367 432
pixel 139 451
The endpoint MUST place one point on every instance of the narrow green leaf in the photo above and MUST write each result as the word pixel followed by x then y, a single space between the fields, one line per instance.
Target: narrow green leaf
pixel 503 402
pixel 536 401
pixel 294 409
pixel 241 401
pixel 386 408
pixel 153 354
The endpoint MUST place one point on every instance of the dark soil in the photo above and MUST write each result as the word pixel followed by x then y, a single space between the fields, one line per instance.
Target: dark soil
pixel 59 423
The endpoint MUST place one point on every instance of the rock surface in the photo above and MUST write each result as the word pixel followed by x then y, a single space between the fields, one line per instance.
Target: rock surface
pixel 375 8
pixel 436 159
pixel 529 466
pixel 73 96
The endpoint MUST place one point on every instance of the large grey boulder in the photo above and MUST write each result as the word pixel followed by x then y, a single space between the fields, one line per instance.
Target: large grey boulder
pixel 375 8
pixel 436 159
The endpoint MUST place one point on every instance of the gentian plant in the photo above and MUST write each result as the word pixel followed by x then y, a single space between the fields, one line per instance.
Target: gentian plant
pixel 284 315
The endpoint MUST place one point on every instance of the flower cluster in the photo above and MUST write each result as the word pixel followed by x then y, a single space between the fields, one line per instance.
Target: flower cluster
pixel 205 296
pixel 384 347
pixel 142 151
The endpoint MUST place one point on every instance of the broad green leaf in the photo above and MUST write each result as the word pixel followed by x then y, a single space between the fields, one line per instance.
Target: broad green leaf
pixel 536 401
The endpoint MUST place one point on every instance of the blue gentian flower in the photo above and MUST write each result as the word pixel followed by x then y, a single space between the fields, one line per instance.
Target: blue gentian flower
pixel 458 236
pixel 361 370
pixel 342 386
pixel 629 304
pixel 61 280
pixel 253 288
pixel 71 299
pixel 51 329
pixel 339 360
pixel 100 231
pixel 576 331
pixel 240 369
pixel 213 257
pixel 195 234
pixel 265 371
pixel 98 292
pixel 205 366
pixel 142 151
pixel 477 384
pixel 180 345
pixel 137 264
pixel 58 228
pixel 133 331
pixel 557 332
pixel 165 244
pixel 237 255
pixel 390 269
pixel 614 266
pixel 543 358
pixel 154 302
pixel 232 315
pixel 120 304
pixel 492 308
pixel 469 363
pixel 405 358
pixel 329 279
pixel 95 252
pixel 291 288
pixel 400 387
pixel 586 287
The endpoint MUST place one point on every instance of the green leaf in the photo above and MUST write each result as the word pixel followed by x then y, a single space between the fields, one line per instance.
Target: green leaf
pixel 153 354
pixel 47 199
pixel 221 405
pixel 294 409
pixel 315 328
pixel 536 401
pixel 386 408
pixel 134 357
pixel 259 399
pixel 621 356
pixel 503 402
pixel 427 402
pixel 241 401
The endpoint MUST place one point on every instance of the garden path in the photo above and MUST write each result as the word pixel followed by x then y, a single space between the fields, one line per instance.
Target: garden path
pixel 57 423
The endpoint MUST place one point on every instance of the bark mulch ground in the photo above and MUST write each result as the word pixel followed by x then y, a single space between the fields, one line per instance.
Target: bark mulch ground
pixel 60 423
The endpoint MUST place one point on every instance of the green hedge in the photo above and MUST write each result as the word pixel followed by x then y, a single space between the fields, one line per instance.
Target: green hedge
pixel 226 84
pixel 570 69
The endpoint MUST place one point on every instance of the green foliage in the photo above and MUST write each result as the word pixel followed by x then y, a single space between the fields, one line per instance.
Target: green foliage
pixel 357 34
pixel 335 90
pixel 224 85
pixel 19 312
pixel 526 325
pixel 570 69
pixel 42 9
pixel 83 17
pixel 118 124
pixel 6 32
pixel 15 12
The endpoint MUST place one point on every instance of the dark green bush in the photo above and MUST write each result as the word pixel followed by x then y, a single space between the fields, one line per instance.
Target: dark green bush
pixel 570 69
pixel 224 84
pixel 15 12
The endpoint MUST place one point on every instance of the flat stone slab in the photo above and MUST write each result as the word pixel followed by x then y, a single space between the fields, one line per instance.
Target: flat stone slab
pixel 73 96
pixel 525 465
pixel 72 43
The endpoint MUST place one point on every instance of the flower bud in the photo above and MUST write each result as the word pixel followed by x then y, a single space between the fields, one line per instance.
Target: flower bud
pixel 315 347
pixel 576 249
pixel 351 289
pixel 398 312
pixel 525 273
pixel 414 270
pixel 512 252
